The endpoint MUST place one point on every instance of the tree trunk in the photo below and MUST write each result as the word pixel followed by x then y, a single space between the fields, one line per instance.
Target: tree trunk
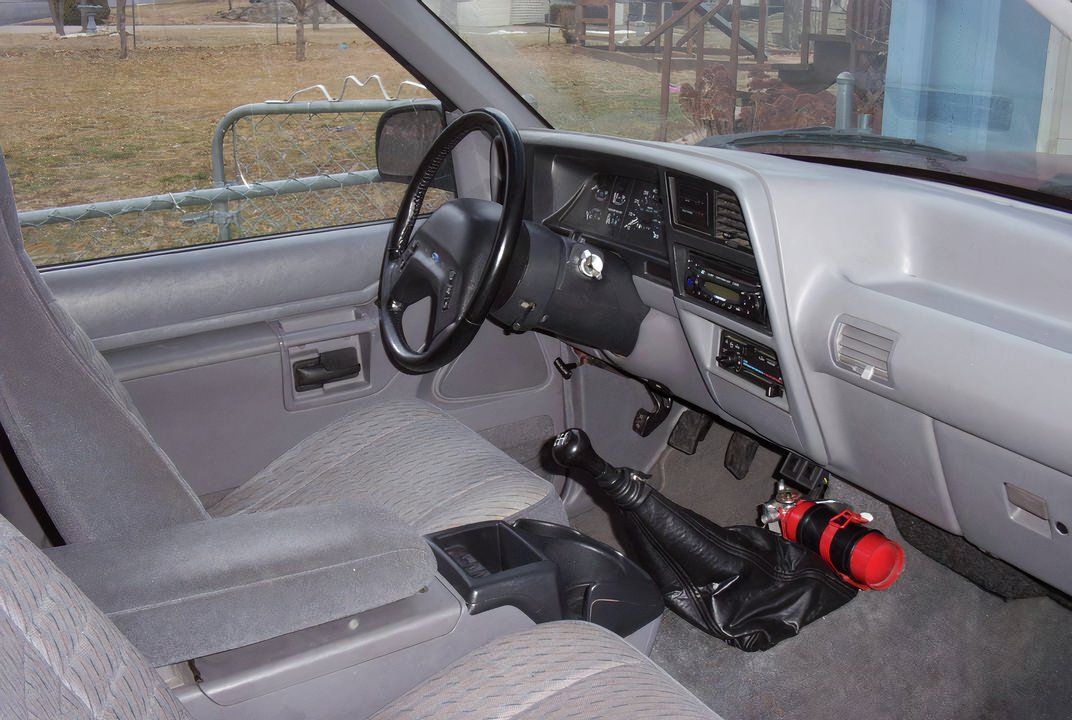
pixel 55 9
pixel 314 8
pixel 121 26
pixel 299 35
pixel 230 5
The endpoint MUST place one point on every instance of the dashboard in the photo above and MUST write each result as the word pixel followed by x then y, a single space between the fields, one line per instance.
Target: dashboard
pixel 680 231
pixel 904 334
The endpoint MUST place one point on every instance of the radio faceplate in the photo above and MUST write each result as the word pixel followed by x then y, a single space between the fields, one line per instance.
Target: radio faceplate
pixel 725 286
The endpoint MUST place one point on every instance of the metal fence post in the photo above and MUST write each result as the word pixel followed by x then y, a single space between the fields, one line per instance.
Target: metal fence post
pixel 222 208
pixel 846 86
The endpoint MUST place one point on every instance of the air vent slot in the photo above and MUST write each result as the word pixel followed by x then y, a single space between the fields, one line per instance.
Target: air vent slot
pixel 730 228
pixel 863 348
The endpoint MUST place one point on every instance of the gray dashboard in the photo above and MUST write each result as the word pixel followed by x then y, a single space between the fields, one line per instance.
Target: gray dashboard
pixel 923 331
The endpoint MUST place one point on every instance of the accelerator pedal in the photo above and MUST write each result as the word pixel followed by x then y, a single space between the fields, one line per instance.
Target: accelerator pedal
pixel 739 454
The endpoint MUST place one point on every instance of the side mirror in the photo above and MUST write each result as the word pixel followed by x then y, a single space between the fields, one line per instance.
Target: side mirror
pixel 403 137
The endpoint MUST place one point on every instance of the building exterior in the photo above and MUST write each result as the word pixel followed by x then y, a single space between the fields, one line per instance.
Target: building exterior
pixel 977 75
pixel 491 13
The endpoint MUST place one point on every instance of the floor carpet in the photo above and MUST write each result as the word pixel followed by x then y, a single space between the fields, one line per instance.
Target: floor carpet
pixel 933 646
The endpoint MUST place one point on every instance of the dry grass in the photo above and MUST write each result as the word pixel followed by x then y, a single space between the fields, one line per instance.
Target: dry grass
pixel 72 133
pixel 82 126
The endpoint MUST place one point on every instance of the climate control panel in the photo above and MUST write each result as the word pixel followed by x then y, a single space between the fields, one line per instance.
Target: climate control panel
pixel 752 362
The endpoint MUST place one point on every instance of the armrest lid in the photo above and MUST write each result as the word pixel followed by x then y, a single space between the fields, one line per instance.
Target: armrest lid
pixel 190 590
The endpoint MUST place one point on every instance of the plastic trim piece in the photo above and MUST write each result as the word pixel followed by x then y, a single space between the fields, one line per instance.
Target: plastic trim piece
pixel 235 676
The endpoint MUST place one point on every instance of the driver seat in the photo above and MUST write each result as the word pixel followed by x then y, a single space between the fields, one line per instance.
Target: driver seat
pixel 98 472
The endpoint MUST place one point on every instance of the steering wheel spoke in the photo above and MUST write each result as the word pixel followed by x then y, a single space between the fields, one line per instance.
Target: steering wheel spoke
pixel 457 257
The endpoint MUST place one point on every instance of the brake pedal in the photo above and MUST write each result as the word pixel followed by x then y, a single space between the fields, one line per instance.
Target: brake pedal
pixel 739 454
pixel 690 430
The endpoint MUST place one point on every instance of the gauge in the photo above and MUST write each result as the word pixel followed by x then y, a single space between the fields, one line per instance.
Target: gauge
pixel 645 215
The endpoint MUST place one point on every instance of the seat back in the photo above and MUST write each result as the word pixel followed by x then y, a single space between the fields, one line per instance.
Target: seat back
pixel 59 656
pixel 81 442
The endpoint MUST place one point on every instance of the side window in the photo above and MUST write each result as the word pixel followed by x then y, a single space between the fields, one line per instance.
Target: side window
pixel 219 123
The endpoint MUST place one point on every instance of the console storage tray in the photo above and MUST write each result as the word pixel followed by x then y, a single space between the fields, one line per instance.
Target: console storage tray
pixel 548 571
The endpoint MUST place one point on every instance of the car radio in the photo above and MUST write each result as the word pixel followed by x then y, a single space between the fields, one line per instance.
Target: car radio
pixel 726 286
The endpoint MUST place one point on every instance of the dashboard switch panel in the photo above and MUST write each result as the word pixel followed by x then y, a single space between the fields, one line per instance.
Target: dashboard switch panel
pixel 752 362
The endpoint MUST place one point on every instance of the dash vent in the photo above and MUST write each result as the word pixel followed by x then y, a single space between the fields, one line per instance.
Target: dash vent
pixel 730 228
pixel 864 348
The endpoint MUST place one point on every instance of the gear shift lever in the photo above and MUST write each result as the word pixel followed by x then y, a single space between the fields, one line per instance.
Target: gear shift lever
pixel 745 585
pixel 573 449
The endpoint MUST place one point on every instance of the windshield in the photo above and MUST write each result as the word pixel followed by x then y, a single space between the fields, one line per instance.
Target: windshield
pixel 959 88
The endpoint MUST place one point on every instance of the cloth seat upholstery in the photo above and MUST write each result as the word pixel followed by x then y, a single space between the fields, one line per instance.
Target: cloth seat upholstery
pixel 428 468
pixel 556 671
pixel 60 657
pixel 100 474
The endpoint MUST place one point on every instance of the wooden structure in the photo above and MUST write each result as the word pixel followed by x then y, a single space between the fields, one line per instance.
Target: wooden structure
pixel 821 42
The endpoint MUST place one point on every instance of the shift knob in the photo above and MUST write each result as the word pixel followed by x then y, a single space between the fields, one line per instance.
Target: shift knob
pixel 573 449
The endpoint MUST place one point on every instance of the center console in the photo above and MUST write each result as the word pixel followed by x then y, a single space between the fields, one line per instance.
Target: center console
pixel 716 266
pixel 717 275
pixel 549 572
pixel 493 579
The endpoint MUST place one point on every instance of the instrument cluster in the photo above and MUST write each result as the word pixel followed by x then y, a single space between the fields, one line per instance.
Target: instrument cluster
pixel 621 209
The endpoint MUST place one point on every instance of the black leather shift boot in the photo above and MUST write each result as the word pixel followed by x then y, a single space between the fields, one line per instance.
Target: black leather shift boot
pixel 745 585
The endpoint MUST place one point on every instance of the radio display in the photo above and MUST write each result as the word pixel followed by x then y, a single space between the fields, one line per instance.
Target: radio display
pixel 724 293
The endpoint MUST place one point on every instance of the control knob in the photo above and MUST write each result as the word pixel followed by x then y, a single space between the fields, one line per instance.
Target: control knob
pixel 729 360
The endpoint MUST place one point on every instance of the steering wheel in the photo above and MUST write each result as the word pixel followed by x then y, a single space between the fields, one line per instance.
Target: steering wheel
pixel 458 257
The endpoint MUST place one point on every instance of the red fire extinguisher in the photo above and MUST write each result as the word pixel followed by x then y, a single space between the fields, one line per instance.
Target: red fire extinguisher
pixel 862 556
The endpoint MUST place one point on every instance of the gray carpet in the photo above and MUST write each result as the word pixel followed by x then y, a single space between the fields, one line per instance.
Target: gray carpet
pixel 932 646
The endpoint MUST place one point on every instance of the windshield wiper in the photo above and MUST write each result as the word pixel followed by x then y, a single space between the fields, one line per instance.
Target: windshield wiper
pixel 829 136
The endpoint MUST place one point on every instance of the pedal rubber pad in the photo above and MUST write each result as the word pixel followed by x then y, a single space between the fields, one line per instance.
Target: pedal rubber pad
pixel 739 454
pixel 690 430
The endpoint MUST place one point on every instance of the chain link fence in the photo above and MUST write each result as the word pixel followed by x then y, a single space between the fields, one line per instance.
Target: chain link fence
pixel 277 167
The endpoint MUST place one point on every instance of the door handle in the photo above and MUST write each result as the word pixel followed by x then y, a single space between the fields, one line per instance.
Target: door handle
pixel 326 367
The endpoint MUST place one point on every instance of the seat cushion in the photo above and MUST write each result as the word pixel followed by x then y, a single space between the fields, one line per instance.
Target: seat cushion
pixel 557 670
pixel 407 456
pixel 59 656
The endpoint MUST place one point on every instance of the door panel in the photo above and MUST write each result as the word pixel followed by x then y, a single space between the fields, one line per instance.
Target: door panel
pixel 205 340
pixel 132 301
